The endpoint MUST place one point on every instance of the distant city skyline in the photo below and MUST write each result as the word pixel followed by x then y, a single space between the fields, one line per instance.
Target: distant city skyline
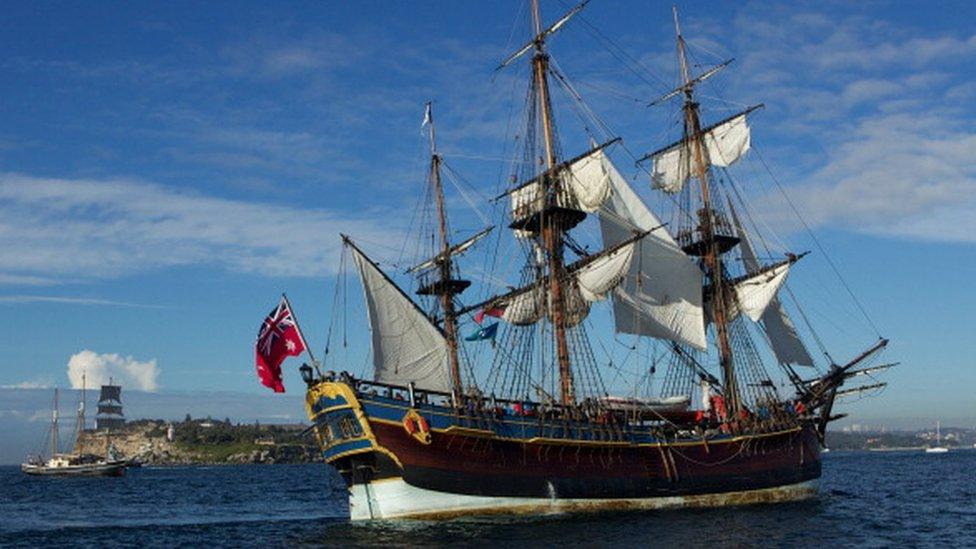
pixel 165 173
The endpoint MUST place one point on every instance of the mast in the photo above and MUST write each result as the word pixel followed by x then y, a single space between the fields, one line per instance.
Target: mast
pixel 446 292
pixel 551 230
pixel 711 257
pixel 81 411
pixel 54 425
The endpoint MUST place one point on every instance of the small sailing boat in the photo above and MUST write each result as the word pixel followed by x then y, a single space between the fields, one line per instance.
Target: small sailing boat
pixel 938 448
pixel 74 464
pixel 427 436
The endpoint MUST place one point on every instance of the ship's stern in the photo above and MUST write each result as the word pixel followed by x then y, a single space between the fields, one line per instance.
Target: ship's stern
pixel 348 444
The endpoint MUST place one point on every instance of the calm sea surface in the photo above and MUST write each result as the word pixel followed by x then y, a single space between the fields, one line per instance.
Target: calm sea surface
pixel 867 499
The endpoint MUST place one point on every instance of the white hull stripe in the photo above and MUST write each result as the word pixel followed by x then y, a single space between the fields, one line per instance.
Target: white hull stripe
pixel 395 499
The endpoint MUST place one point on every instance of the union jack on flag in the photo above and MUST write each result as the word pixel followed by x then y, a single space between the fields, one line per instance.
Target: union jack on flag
pixel 278 338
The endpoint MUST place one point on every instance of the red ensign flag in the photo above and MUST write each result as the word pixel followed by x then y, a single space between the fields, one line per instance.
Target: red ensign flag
pixel 278 338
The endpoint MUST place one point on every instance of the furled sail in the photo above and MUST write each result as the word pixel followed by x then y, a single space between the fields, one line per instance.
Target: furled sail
pixel 594 281
pixel 583 186
pixel 588 281
pixel 724 143
pixel 524 308
pixel 779 328
pixel 406 345
pixel 661 293
pixel 598 277
pixel 455 250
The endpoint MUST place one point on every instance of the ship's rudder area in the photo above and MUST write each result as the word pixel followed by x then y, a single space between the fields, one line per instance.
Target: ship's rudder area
pixel 346 440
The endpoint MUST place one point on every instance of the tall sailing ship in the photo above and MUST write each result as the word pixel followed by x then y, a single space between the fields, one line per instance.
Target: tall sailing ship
pixel 539 432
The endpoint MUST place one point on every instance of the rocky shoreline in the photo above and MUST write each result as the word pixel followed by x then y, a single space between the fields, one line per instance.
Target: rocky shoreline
pixel 203 442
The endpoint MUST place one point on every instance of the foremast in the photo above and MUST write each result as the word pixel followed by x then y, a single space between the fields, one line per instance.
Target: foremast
pixel 446 288
pixel 711 252
pixel 412 345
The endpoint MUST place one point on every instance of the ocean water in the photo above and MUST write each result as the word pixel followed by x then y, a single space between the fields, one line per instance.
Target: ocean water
pixel 867 499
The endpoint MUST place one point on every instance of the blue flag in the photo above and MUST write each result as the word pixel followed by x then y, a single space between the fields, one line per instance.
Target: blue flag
pixel 487 332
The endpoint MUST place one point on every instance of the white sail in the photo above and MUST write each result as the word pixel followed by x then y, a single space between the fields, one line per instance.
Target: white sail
pixel 661 294
pixel 593 281
pixel 597 278
pixel 724 144
pixel 589 181
pixel 406 345
pixel 780 331
pixel 783 337
pixel 587 284
pixel 755 293
pixel 584 185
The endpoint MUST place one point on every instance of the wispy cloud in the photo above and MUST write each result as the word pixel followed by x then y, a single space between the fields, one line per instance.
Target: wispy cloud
pixel 84 228
pixel 871 120
pixel 36 384
pixel 273 57
pixel 73 301
pixel 9 279
pixel 900 174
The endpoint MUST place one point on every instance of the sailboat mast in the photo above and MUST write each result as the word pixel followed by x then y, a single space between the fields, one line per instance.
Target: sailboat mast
pixel 551 232
pixel 81 410
pixel 54 425
pixel 446 293
pixel 712 258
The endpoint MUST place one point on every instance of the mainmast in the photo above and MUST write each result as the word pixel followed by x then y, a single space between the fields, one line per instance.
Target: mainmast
pixel 711 250
pixel 550 227
pixel 445 289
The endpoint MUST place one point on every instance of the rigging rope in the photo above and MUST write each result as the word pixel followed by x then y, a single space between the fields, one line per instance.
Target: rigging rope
pixel 820 247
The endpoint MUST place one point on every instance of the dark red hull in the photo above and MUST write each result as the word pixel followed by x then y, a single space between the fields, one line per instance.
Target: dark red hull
pixel 476 465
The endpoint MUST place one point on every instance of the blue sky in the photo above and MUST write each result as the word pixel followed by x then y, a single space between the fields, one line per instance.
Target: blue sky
pixel 166 170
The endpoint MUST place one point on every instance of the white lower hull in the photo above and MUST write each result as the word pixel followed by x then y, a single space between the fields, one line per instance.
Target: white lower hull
pixel 395 499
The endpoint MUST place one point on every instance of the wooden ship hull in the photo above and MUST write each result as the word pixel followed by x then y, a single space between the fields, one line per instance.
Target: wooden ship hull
pixel 487 463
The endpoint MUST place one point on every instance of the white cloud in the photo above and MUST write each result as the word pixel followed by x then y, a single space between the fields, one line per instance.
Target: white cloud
pixel 871 120
pixel 898 175
pixel 97 369
pixel 271 57
pixel 869 89
pixel 90 228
